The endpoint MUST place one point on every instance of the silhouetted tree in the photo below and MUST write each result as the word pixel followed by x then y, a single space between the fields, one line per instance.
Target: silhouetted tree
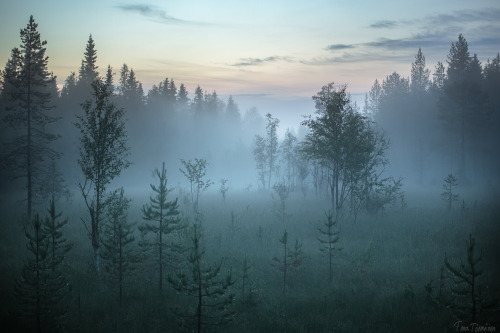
pixel 58 245
pixel 103 154
pixel 289 259
pixel 463 104
pixel 272 148
pixel 329 236
pixel 419 75
pixel 164 216
pixel 195 172
pixel 449 195
pixel 212 293
pixel 288 150
pixel 344 142
pixel 41 286
pixel 27 93
pixel 259 153
pixel 118 254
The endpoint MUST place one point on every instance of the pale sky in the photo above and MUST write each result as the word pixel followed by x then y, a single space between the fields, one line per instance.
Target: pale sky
pixel 263 52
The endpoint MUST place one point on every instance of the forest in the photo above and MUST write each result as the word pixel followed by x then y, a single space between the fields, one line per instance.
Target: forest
pixel 125 210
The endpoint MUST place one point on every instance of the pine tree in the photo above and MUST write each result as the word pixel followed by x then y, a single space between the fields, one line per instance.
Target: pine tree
pixel 449 195
pixel 328 238
pixel 419 75
pixel 290 258
pixel 103 155
pixel 41 288
pixel 182 97
pixel 439 76
pixel 27 93
pixel 165 216
pixel 466 297
pixel 198 105
pixel 232 111
pixel 58 245
pixel 213 294
pixel 118 240
pixel 88 70
pixel 109 80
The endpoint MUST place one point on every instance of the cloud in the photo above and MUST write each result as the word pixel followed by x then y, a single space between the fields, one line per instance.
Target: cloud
pixel 154 13
pixel 336 47
pixel 260 61
pixel 385 24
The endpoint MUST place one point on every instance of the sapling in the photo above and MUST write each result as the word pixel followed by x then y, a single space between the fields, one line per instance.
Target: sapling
pixel 449 195
pixel 329 236
pixel 223 188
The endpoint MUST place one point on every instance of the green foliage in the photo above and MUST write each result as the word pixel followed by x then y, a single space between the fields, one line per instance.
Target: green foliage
pixel 195 171
pixel 449 195
pixel 283 192
pixel 103 154
pixel 41 286
pixel 212 293
pixel 27 93
pixel 329 236
pixel 344 142
pixel 465 293
pixel 58 244
pixel 118 240
pixel 164 216
pixel 290 259
pixel 223 188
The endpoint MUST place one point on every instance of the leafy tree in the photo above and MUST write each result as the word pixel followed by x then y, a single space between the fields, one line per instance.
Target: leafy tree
pixel 272 148
pixel 103 154
pixel 449 195
pixel 259 153
pixel 165 216
pixel 344 142
pixel 374 98
pixel 212 293
pixel 283 192
pixel 223 188
pixel 118 240
pixel 195 171
pixel 27 93
pixel 41 288
pixel 329 236
pixel 288 149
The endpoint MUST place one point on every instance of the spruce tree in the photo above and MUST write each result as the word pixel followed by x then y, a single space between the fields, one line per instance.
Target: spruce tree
pixel 41 286
pixel 58 244
pixel 27 93
pixel 164 218
pixel 213 293
pixel 329 236
pixel 118 254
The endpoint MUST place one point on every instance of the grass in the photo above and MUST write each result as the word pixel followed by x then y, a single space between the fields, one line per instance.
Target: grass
pixel 378 277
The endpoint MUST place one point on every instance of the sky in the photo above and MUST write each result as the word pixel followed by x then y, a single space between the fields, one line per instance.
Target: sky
pixel 273 55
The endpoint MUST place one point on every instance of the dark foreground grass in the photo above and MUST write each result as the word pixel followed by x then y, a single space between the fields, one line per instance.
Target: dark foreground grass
pixel 378 280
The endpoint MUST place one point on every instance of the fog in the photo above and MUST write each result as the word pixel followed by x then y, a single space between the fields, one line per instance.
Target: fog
pixel 404 183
